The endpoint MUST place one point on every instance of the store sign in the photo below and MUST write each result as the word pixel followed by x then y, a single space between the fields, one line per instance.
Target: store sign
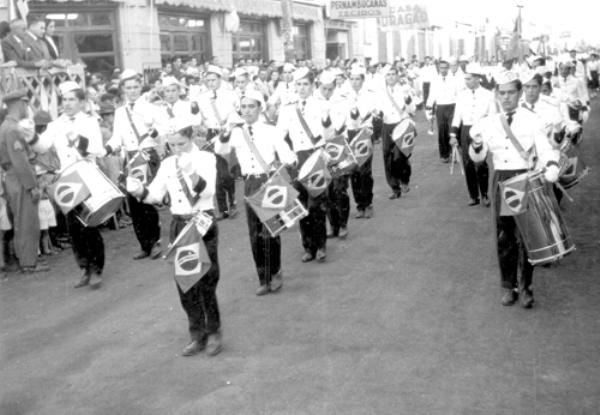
pixel 410 16
pixel 359 9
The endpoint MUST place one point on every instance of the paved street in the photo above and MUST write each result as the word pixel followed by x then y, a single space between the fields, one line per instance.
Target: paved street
pixel 404 318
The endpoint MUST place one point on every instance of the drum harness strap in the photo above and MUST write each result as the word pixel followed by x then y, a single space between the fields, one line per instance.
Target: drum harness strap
pixel 511 136
pixel 305 127
pixel 395 104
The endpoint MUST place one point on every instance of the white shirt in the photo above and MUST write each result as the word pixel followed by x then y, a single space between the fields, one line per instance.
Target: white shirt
pixel 289 123
pixel 427 73
pixel 145 116
pixel 62 133
pixel 551 113
pixel 390 111
pixel 472 105
pixel 202 163
pixel 572 89
pixel 226 102
pixel 284 94
pixel 443 90
pixel 364 101
pixel 528 130
pixel 267 140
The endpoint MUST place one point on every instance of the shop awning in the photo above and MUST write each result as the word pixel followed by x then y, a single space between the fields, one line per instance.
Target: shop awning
pixel 272 8
pixel 212 5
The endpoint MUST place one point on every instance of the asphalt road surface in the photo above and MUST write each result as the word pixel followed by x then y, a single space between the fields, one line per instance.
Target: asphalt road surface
pixel 403 318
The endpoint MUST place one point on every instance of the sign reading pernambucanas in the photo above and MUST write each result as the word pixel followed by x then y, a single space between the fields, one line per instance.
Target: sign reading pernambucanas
pixel 358 9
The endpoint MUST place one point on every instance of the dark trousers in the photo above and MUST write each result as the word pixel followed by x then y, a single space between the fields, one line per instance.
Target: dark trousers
pixel 200 302
pixel 396 164
pixel 515 270
pixel 25 220
pixel 87 244
pixel 444 114
pixel 362 180
pixel 225 187
pixel 339 203
pixel 266 250
pixel 477 175
pixel 146 223
pixel 313 228
pixel 426 87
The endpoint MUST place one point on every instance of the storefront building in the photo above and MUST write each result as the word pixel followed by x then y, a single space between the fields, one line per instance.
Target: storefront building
pixel 143 34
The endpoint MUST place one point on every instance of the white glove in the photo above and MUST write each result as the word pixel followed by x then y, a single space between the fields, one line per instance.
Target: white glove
pixel 585 115
pixel 134 186
pixel 572 127
pixel 551 173
pixel 27 127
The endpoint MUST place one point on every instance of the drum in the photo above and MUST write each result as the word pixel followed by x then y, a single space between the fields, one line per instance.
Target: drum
pixel 362 146
pixel 404 135
pixel 314 174
pixel 341 157
pixel 542 226
pixel 572 167
pixel 82 187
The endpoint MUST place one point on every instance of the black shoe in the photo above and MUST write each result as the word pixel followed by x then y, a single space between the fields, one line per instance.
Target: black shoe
pixel 526 298
pixel 156 250
pixel 486 202
pixel 83 281
pixel 141 255
pixel 213 344
pixel 221 216
pixel 262 290
pixel 276 282
pixel 307 257
pixel 473 202
pixel 194 347
pixel 232 212
pixel 360 214
pixel 395 195
pixel 343 233
pixel 405 188
pixel 510 297
pixel 321 255
pixel 95 280
pixel 369 212
pixel 332 234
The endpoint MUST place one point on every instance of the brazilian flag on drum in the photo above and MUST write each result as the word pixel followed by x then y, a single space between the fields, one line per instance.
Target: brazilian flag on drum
pixel 191 257
pixel 69 191
pixel 275 196
pixel 513 195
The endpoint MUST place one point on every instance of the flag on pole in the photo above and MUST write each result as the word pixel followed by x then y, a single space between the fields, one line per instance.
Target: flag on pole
pixel 191 257
pixel 515 49
pixel 18 9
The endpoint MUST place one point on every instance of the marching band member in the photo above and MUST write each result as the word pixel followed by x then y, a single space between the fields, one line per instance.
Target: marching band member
pixel 284 94
pixel 252 137
pixel 573 92
pixel 360 104
pixel 444 88
pixel 218 107
pixel 305 122
pixel 189 177
pixel 578 67
pixel 136 131
pixel 76 136
pixel 511 157
pixel 395 106
pixel 173 105
pixel 472 104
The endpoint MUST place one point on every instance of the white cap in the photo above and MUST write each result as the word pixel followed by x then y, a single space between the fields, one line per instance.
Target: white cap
pixel 387 68
pixel 170 81
pixel 288 67
pixel 326 78
pixel 527 75
pixel 300 74
pixel 179 123
pixel 452 60
pixel 240 72
pixel 192 71
pixel 337 72
pixel 255 95
pixel 68 86
pixel 214 69
pixel 505 77
pixel 128 74
pixel 357 71
pixel 474 68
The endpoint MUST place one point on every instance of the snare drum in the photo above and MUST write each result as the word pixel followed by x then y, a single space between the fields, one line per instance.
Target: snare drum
pixel 102 199
pixel 542 226
pixel 314 174
pixel 572 167
pixel 341 158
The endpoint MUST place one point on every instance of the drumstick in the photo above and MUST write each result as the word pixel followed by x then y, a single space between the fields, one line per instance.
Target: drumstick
pixel 459 160
pixel 452 159
pixel 564 192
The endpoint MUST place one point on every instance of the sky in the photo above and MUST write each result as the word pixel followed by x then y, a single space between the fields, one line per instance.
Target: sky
pixel 580 17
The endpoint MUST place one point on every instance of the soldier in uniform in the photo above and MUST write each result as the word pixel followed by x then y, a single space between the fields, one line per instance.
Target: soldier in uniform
pixel 247 139
pixel 508 162
pixel 395 106
pixel 305 138
pixel 189 177
pixel 22 192
pixel 136 130
pixel 472 104
pixel 76 136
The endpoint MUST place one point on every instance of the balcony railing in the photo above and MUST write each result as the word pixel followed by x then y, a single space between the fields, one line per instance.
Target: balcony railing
pixel 42 84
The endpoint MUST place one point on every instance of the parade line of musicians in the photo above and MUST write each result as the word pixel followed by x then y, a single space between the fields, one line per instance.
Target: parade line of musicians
pixel 183 144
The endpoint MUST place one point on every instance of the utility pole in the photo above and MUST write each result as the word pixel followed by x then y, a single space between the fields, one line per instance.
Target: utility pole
pixel 286 30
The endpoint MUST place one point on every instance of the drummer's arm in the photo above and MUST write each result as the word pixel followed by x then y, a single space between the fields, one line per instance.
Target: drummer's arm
pixel 116 141
pixel 285 153
pixel 41 143
pixel 548 156
pixel 94 135
pixel 156 191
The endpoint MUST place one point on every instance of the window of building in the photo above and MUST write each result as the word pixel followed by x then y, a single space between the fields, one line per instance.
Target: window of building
pixel 301 42
pixel 250 41
pixel 185 35
pixel 89 35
